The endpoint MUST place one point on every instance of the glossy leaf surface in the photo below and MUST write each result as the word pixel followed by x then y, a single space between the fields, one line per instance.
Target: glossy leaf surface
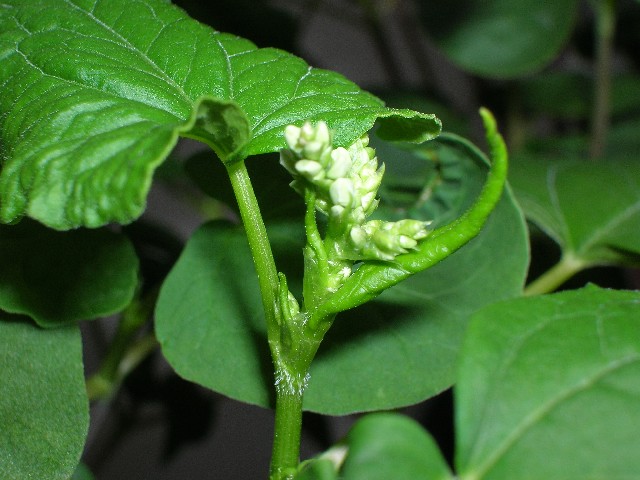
pixel 500 38
pixel 384 446
pixel 398 350
pixel 44 411
pixel 63 277
pixel 94 100
pixel 592 210
pixel 548 388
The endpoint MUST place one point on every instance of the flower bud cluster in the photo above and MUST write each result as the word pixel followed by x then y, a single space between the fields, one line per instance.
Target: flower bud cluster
pixel 384 240
pixel 345 182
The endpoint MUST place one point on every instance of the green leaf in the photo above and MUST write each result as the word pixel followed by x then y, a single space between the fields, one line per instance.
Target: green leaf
pixel 317 469
pixel 548 388
pixel 500 38
pixel 94 100
pixel 209 318
pixel 62 277
pixel 385 445
pixel 212 331
pixel 44 411
pixel 591 209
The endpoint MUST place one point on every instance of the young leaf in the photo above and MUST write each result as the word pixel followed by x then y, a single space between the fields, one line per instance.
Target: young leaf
pixel 500 38
pixel 385 445
pixel 63 277
pixel 97 92
pixel 44 411
pixel 548 388
pixel 592 210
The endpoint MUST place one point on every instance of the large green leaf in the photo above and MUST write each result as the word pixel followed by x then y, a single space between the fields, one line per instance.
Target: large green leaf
pixel 385 445
pixel 500 38
pixel 395 351
pixel 591 209
pixel 548 387
pixel 44 411
pixel 95 94
pixel 209 318
pixel 62 277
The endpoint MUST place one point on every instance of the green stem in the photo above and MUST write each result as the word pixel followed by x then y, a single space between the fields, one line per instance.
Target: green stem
pixel 260 248
pixel 605 29
pixel 549 281
pixel 287 431
pixel 116 364
pixel 289 384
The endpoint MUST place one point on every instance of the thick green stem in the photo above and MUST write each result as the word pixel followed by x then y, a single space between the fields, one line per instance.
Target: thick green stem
pixel 605 28
pixel 549 281
pixel 287 431
pixel 259 246
pixel 290 377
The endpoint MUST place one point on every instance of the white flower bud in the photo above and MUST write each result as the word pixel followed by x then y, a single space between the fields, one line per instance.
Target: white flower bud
pixel 322 133
pixel 340 163
pixel 313 150
pixel 309 169
pixel 342 192
pixel 337 211
pixel 367 200
pixel 307 132
pixel 292 137
pixel 406 242
pixel 358 236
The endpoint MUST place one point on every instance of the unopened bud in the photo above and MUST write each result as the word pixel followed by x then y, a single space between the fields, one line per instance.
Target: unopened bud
pixel 308 169
pixel 340 163
pixel 342 192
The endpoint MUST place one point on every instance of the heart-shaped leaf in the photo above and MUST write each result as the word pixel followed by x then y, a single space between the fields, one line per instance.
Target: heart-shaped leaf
pixel 592 210
pixel 377 356
pixel 500 38
pixel 95 94
pixel 548 388
pixel 62 277
pixel 44 411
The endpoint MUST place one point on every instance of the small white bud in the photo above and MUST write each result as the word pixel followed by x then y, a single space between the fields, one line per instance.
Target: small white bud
pixel 322 134
pixel 342 192
pixel 367 200
pixel 406 242
pixel 340 163
pixel 308 169
pixel 292 137
pixel 337 210
pixel 358 236
pixel 307 132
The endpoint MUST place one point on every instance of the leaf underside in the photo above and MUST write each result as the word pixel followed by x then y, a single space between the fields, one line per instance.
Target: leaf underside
pixel 96 93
